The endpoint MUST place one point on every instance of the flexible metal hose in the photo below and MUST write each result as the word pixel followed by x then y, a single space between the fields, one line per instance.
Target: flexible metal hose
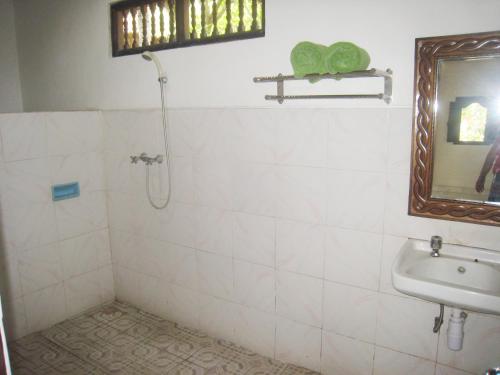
pixel 167 153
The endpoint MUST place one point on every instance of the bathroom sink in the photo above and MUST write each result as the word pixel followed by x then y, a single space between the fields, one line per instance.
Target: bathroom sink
pixel 461 277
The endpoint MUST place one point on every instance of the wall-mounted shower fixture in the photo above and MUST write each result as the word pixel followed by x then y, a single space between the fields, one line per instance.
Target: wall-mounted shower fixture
pixel 150 56
pixel 149 160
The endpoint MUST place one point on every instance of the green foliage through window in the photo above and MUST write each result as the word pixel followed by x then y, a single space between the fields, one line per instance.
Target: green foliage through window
pixel 139 25
pixel 240 21
pixel 473 120
pixel 473 123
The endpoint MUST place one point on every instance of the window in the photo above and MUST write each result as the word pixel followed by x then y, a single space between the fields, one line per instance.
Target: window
pixel 473 123
pixel 473 120
pixel 138 25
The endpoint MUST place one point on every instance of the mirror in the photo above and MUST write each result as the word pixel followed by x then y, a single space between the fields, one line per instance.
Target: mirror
pixel 466 128
pixel 456 130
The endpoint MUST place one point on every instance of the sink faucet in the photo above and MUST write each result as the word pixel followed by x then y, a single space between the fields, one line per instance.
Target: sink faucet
pixel 436 243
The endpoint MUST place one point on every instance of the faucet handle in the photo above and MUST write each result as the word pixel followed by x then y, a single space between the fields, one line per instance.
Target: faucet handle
pixel 134 159
pixel 436 242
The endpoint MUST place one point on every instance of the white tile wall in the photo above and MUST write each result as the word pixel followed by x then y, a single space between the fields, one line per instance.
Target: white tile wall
pixel 56 254
pixel 353 257
pixel 301 137
pixel 24 136
pixel 281 234
pixel 15 316
pixel 39 268
pixel 254 188
pixel 403 325
pixel 298 343
pixel 357 140
pixel 350 311
pixel 445 370
pixel 256 330
pixel 45 307
pixel 299 297
pixel 181 305
pixel 215 275
pixel 254 239
pixel 213 231
pixel 255 286
pixel 343 355
pixel 389 362
pixel 301 193
pixel 218 317
pixel 356 200
pixel 300 247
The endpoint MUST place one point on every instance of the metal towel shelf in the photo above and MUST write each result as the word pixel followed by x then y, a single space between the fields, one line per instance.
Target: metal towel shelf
pixel 280 79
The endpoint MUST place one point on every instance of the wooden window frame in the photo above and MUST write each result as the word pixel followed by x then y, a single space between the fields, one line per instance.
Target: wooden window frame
pixel 181 18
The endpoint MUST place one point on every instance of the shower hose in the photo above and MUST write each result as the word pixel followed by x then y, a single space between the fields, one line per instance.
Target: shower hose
pixel 167 153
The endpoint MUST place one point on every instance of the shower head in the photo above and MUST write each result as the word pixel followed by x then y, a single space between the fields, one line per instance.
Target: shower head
pixel 150 56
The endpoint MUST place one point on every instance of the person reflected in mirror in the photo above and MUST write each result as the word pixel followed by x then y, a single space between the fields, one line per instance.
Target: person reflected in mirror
pixel 491 163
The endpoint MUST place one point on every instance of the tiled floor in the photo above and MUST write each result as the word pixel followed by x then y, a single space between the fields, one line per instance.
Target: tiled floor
pixel 120 339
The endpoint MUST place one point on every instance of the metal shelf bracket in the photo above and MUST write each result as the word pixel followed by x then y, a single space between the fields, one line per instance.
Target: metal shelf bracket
pixel 280 79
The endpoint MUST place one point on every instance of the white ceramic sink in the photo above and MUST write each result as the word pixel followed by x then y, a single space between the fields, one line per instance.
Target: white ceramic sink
pixel 462 277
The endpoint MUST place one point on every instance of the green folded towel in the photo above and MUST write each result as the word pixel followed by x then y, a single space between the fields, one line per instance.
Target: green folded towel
pixel 344 57
pixel 308 58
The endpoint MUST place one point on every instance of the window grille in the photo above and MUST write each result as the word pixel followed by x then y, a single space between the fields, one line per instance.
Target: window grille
pixel 139 25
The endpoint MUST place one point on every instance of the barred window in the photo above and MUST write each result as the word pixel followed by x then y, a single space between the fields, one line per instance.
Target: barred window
pixel 139 25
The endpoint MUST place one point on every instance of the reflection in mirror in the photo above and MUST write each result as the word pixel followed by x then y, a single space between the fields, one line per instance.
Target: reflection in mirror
pixel 467 130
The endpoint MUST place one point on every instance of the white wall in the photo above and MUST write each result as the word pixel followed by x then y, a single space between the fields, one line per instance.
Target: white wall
pixel 54 256
pixel 66 63
pixel 10 86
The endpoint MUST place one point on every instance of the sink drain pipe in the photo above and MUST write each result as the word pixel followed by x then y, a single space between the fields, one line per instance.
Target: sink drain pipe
pixel 438 320
pixel 456 329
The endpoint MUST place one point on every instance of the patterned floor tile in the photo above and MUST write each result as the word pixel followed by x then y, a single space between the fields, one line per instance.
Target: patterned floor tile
pixel 23 366
pixel 81 324
pixel 142 330
pixel 111 312
pixel 39 351
pixel 179 347
pixel 296 370
pixel 186 368
pixel 120 339
pixel 265 366
pixel 67 363
pixel 159 363
pixel 109 361
pixel 230 358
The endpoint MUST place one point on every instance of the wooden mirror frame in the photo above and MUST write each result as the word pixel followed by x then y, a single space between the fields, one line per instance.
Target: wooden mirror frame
pixel 428 51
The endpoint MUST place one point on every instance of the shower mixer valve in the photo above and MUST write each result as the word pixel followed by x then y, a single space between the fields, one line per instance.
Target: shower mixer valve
pixel 134 159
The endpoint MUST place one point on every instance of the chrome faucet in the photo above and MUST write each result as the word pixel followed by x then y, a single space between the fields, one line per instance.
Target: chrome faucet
pixel 158 159
pixel 436 243
pixel 146 159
